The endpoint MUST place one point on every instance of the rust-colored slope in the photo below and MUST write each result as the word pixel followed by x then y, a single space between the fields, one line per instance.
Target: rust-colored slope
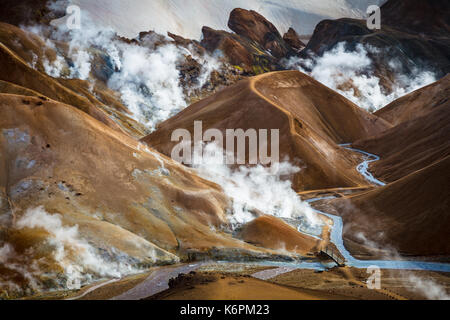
pixel 26 45
pixel 123 197
pixel 11 88
pixel 421 137
pixel 22 56
pixel 271 232
pixel 327 112
pixel 16 71
pixel 417 103
pixel 412 215
pixel 298 106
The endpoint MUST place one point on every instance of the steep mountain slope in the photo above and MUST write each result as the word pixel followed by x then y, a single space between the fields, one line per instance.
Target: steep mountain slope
pixel 411 215
pixel 131 206
pixel 429 17
pixel 414 36
pixel 19 12
pixel 311 118
pixel 22 58
pixel 420 137
pixel 417 103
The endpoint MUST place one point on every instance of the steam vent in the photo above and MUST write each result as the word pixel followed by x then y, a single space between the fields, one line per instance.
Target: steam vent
pixel 224 150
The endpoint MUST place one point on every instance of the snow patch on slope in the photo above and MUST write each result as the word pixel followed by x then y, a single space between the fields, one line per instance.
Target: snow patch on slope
pixel 187 17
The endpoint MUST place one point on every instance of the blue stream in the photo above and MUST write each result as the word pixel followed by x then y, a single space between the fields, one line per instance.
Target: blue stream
pixel 337 228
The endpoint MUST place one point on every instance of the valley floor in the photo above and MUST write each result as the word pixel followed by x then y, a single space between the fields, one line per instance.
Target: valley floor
pixel 237 281
pixel 264 280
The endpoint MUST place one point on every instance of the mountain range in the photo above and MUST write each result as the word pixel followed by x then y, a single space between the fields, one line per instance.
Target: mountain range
pixel 88 189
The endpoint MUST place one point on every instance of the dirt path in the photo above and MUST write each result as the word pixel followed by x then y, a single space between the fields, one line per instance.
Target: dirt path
pixel 93 288
pixel 156 282
pixel 272 273
pixel 289 116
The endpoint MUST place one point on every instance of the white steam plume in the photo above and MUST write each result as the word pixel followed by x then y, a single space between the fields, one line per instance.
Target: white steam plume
pixel 427 287
pixel 149 83
pixel 264 189
pixel 146 76
pixel 412 281
pixel 209 64
pixel 351 74
pixel 12 264
pixel 80 261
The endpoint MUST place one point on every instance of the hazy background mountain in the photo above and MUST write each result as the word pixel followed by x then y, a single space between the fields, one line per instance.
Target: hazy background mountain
pixel 187 17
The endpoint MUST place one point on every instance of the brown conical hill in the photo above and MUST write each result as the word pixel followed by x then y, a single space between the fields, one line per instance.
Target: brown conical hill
pixel 271 232
pixel 326 111
pixel 411 215
pixel 311 118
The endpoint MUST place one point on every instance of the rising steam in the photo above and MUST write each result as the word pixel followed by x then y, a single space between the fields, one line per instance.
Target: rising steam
pixel 258 188
pixel 145 74
pixel 412 281
pixel 79 261
pixel 351 73
pixel 429 288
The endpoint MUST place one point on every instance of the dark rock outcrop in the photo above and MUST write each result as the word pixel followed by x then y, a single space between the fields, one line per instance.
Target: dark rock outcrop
pixel 187 43
pixel 236 49
pixel 293 39
pixel 255 27
pixel 256 46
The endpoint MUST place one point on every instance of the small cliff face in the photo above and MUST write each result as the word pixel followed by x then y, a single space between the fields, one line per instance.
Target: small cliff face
pixel 253 26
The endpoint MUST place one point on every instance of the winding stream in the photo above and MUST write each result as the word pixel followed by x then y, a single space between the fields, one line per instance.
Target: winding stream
pixel 363 167
pixel 337 230
pixel 158 280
